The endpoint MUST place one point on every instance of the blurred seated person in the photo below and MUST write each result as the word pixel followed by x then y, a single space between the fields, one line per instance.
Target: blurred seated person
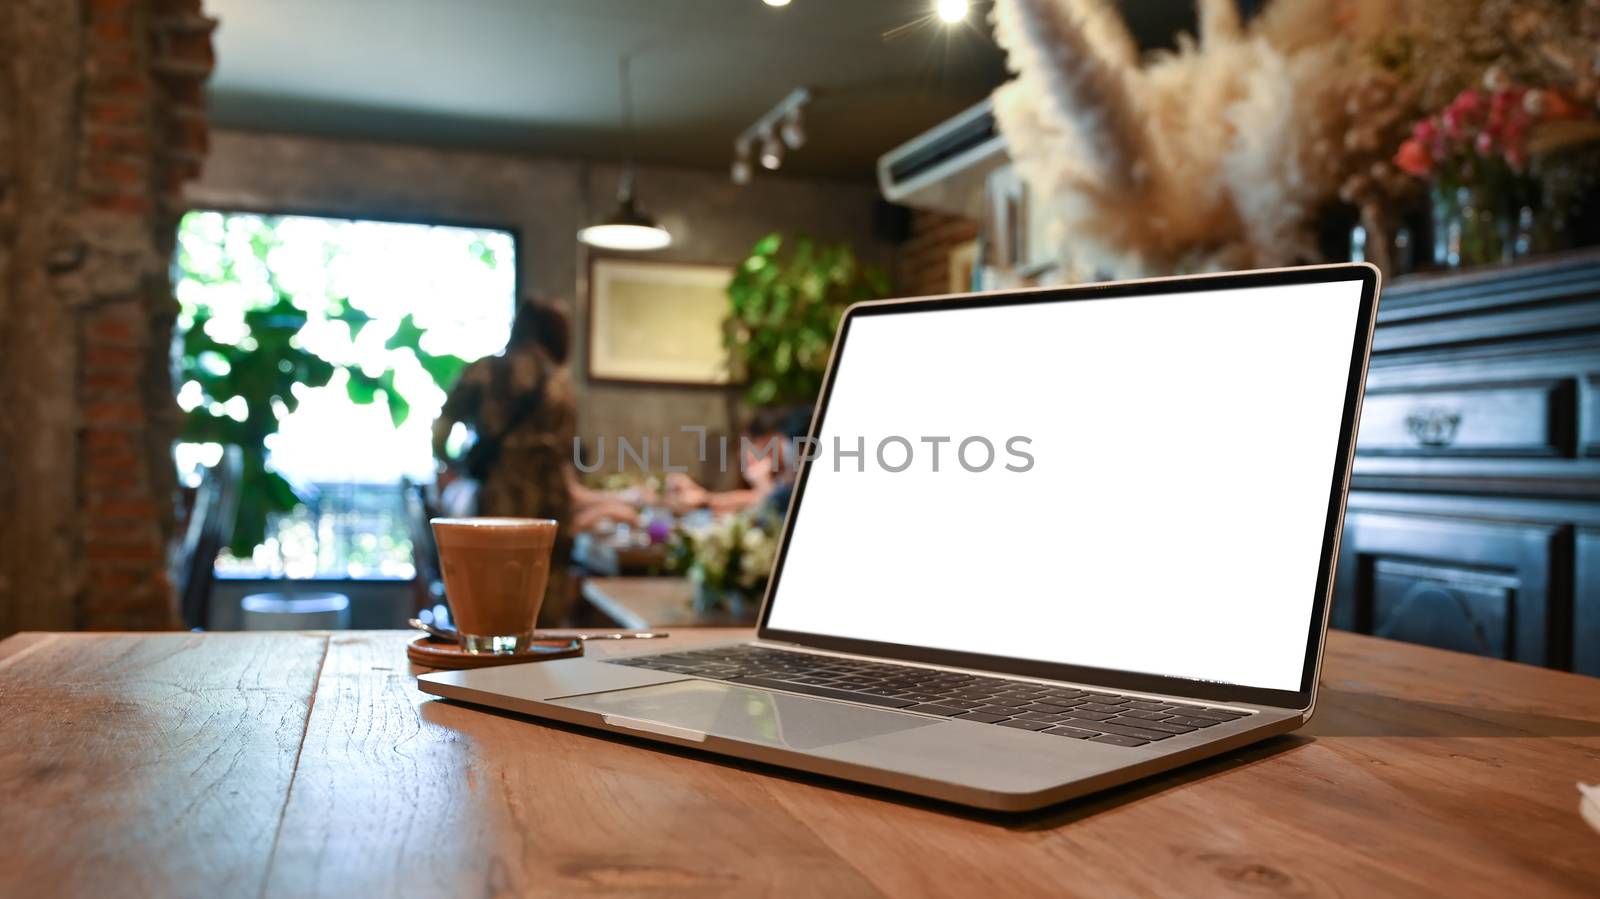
pixel 767 463
pixel 592 507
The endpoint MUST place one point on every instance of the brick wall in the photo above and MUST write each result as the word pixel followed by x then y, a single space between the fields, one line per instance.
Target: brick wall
pixel 922 262
pixel 103 102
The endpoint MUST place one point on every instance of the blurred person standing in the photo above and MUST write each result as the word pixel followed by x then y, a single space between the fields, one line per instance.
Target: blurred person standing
pixel 522 407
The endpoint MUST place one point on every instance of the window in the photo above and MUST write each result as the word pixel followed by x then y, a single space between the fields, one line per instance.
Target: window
pixel 324 348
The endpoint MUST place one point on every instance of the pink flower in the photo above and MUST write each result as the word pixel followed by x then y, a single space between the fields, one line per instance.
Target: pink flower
pixel 1451 124
pixel 1467 103
pixel 1485 143
pixel 1413 159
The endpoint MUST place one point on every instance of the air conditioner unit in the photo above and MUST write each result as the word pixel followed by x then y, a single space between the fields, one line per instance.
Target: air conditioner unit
pixel 944 168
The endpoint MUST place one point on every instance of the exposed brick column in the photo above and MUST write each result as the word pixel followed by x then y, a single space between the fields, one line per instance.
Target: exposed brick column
pixel 922 262
pixel 106 99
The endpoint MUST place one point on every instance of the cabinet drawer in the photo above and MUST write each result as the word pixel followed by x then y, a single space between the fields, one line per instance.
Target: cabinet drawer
pixel 1586 605
pixel 1590 428
pixel 1501 418
pixel 1444 605
pixel 1496 589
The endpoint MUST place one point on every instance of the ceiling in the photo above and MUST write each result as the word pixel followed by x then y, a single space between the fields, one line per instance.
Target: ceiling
pixel 541 76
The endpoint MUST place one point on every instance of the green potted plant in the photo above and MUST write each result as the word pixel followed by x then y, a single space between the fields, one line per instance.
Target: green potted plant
pixel 785 302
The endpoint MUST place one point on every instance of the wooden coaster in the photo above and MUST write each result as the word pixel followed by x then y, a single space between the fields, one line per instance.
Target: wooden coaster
pixel 435 653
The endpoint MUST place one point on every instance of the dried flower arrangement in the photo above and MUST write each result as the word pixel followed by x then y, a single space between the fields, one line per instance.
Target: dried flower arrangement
pixel 1222 153
pixel 1380 110
pixel 1217 155
pixel 1445 48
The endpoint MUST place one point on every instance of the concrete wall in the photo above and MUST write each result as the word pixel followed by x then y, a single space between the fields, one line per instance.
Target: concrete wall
pixel 546 201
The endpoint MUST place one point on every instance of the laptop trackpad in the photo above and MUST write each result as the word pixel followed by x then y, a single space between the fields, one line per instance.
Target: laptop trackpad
pixel 693 708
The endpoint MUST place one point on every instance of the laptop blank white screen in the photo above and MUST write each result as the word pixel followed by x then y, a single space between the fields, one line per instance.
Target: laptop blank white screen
pixel 1171 521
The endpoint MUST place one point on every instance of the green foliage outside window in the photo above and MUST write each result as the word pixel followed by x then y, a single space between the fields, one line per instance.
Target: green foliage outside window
pixel 247 375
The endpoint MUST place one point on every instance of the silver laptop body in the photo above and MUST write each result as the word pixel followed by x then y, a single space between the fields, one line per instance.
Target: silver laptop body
pixel 1151 605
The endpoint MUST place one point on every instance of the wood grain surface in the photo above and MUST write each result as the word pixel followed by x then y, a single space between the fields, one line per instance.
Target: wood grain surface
pixel 148 765
pixel 306 765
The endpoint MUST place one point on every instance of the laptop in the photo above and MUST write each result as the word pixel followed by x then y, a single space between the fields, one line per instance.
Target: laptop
pixel 1040 543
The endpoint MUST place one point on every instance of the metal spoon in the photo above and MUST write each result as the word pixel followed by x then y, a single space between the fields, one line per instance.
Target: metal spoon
pixel 435 630
pixel 445 633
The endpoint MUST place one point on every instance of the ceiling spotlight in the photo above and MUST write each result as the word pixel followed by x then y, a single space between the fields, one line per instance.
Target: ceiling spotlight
pixel 951 11
pixel 771 152
pixel 776 2
pixel 780 129
pixel 793 130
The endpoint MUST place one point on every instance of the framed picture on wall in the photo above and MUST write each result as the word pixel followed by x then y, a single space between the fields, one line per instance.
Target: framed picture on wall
pixel 658 322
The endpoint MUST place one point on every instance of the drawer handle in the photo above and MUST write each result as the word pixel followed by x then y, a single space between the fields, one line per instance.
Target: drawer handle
pixel 1434 427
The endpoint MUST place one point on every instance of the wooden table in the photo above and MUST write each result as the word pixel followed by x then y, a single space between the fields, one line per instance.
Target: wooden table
pixel 308 764
pixel 643 603
pixel 603 557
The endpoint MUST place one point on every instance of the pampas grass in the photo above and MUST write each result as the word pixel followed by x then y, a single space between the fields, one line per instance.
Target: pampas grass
pixel 1217 155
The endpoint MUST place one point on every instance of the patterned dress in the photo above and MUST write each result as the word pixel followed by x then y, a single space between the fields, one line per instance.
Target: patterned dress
pixel 529 477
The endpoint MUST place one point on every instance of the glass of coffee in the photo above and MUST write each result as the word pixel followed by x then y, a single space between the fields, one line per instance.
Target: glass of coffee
pixel 495 572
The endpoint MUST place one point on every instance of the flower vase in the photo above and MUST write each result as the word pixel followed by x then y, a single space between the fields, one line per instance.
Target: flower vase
pixel 1442 221
pixel 710 600
pixel 1478 230
pixel 1539 230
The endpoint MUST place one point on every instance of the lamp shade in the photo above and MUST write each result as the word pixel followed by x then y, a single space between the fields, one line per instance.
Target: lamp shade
pixel 626 228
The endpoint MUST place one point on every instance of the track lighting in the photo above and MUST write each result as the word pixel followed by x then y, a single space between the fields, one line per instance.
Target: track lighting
pixel 793 131
pixel 741 163
pixel 779 129
pixel 771 152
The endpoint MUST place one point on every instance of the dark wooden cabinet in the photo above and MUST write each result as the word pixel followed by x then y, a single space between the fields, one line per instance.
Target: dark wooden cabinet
pixel 1586 613
pixel 1474 516
pixel 1487 587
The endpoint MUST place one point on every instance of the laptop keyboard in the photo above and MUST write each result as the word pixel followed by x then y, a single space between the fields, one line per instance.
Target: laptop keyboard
pixel 1093 715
